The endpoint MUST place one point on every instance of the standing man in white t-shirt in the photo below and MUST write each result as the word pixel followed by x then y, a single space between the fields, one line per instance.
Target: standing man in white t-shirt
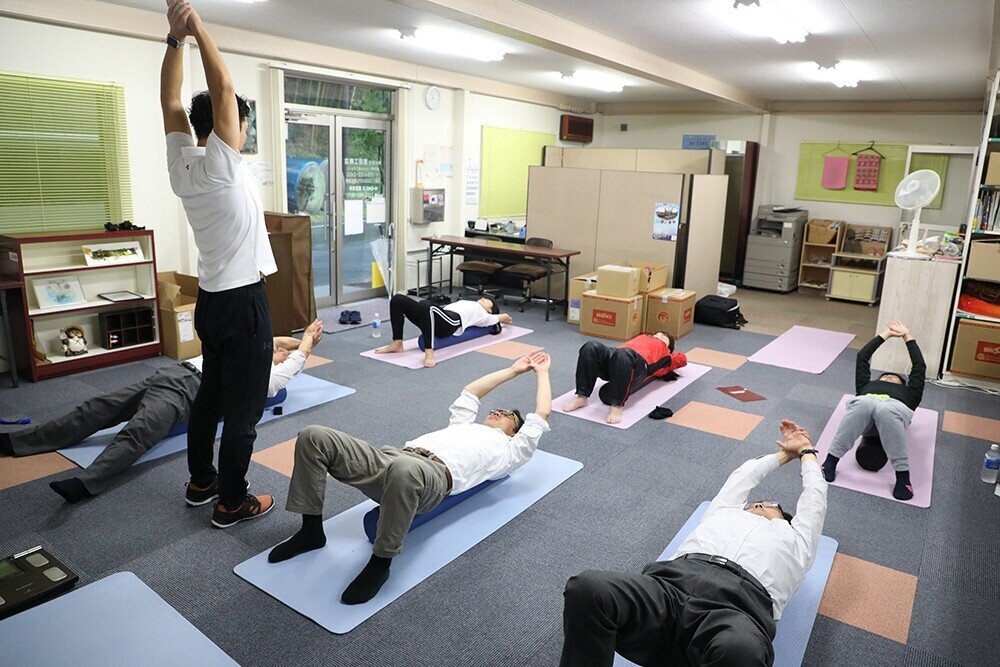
pixel 232 317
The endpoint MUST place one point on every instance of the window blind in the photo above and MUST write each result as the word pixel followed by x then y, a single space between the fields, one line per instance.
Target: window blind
pixel 63 154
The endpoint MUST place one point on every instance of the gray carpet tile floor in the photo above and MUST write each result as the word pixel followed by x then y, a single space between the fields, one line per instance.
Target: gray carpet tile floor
pixel 501 602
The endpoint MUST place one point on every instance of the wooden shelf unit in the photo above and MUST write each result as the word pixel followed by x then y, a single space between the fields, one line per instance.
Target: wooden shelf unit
pixel 858 276
pixel 32 256
pixel 817 260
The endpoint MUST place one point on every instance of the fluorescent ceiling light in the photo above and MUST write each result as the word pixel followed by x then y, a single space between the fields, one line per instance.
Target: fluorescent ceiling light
pixel 766 17
pixel 454 43
pixel 608 83
pixel 843 74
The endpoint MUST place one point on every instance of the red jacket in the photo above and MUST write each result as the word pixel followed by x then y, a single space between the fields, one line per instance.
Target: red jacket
pixel 654 350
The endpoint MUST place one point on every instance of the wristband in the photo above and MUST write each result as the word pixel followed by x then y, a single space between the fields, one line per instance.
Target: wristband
pixel 809 450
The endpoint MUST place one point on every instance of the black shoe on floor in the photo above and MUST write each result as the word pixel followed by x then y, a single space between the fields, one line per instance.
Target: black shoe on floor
pixel 251 508
pixel 355 317
pixel 196 497
pixel 345 317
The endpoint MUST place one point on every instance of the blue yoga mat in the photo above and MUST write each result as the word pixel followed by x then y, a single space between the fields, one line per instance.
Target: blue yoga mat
pixel 312 583
pixel 118 620
pixel 304 392
pixel 797 619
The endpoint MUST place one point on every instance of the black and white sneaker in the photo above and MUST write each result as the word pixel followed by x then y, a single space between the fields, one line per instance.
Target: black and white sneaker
pixel 252 507
pixel 196 497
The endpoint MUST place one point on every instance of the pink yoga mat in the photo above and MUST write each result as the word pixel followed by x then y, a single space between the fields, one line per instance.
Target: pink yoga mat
pixel 920 440
pixel 639 404
pixel 803 349
pixel 413 357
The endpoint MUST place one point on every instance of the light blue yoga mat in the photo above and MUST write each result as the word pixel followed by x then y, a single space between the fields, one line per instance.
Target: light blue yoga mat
pixel 118 620
pixel 313 582
pixel 797 619
pixel 304 392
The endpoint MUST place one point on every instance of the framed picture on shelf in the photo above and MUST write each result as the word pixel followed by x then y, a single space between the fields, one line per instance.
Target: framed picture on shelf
pixel 58 292
pixel 120 295
pixel 106 254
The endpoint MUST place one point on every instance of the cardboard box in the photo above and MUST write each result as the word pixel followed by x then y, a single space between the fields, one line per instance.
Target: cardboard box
pixel 178 295
pixel 577 286
pixel 611 317
pixel 621 282
pixel 984 260
pixel 992 170
pixel 670 310
pixel 977 350
pixel 651 274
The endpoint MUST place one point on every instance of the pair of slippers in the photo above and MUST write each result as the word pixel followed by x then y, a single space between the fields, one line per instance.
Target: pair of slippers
pixel 350 317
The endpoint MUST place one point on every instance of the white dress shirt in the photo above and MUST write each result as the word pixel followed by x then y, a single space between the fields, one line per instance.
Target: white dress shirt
pixel 475 452
pixel 776 553
pixel 472 315
pixel 281 374
pixel 224 209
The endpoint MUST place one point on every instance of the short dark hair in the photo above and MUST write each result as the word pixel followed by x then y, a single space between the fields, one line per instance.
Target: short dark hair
pixel 519 422
pixel 495 310
pixel 902 378
pixel 672 340
pixel 200 113
pixel 785 515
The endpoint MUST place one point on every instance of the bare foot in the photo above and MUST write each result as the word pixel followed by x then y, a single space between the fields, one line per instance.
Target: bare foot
pixel 429 360
pixel 615 416
pixel 575 404
pixel 394 346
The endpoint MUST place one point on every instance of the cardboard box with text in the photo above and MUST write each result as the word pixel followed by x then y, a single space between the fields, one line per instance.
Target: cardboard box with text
pixel 977 350
pixel 178 295
pixel 670 310
pixel 610 317
pixel 577 286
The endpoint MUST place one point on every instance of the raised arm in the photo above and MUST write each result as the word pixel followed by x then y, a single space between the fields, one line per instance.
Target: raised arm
pixel 310 338
pixel 172 72
pixel 488 383
pixel 863 366
pixel 225 114
pixel 918 367
pixel 524 443
pixel 540 363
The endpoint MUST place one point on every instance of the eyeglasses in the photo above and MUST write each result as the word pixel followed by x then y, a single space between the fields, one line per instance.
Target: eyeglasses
pixel 508 414
pixel 763 504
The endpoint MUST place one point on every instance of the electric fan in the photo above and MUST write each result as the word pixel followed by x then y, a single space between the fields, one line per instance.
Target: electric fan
pixel 912 194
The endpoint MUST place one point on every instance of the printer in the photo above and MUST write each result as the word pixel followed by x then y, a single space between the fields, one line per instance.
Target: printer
pixel 774 248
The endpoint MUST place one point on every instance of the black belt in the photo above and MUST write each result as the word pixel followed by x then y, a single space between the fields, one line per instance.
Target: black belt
pixel 428 454
pixel 191 367
pixel 732 566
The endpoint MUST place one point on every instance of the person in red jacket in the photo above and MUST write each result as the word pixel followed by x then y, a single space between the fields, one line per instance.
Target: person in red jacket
pixel 626 368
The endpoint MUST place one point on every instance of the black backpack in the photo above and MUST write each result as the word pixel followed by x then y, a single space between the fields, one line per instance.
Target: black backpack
pixel 719 311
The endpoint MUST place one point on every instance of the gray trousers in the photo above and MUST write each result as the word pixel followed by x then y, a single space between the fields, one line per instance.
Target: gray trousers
pixel 150 409
pixel 403 484
pixel 889 417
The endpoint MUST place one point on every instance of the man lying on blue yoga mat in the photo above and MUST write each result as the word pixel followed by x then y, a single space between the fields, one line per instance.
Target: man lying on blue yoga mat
pixel 881 411
pixel 413 479
pixel 717 599
pixel 150 408
pixel 436 322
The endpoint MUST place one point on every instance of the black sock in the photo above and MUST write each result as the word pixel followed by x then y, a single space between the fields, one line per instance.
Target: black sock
pixel 6 448
pixel 309 537
pixel 367 584
pixel 903 489
pixel 71 489
pixel 830 467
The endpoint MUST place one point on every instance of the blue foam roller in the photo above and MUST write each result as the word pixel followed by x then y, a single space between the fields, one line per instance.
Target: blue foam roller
pixel 371 518
pixel 277 399
pixel 469 334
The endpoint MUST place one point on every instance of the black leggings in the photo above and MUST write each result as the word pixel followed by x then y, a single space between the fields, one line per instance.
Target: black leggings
pixel 432 320
pixel 623 368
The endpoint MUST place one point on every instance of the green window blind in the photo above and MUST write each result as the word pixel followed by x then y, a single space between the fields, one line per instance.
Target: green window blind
pixel 506 156
pixel 63 154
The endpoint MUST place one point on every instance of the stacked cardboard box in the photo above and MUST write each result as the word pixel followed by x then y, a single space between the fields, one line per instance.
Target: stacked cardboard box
pixel 616 307
pixel 670 310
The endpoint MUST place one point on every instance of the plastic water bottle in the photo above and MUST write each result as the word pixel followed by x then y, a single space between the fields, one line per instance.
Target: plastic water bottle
pixel 991 464
pixel 376 327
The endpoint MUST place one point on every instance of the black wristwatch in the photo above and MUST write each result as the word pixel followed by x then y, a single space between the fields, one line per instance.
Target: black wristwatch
pixel 810 450
pixel 173 41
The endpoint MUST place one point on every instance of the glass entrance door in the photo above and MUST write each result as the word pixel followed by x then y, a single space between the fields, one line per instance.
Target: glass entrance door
pixel 308 153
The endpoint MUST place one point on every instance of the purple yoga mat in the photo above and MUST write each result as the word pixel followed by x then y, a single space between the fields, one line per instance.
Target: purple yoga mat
pixel 803 349
pixel 921 437
pixel 639 404
pixel 413 357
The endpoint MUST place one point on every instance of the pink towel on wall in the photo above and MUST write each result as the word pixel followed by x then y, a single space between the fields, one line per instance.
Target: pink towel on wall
pixel 866 172
pixel 835 172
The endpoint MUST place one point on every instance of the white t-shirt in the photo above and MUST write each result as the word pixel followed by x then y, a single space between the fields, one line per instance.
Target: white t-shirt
pixel 281 374
pixel 223 207
pixel 475 452
pixel 472 315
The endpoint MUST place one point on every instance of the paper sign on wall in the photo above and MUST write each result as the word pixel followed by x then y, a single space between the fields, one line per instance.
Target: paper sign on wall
pixel 354 217
pixel 666 216
pixel 375 211
pixel 471 183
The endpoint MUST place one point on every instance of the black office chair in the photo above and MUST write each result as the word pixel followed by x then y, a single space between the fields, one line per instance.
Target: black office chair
pixel 528 271
pixel 476 273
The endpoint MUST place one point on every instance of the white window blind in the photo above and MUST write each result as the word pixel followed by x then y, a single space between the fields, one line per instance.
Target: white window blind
pixel 63 154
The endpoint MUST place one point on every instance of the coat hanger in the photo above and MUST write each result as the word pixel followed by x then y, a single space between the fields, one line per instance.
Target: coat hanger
pixel 869 147
pixel 835 148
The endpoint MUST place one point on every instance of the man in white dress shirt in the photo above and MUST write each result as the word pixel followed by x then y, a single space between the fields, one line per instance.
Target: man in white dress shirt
pixel 223 206
pixel 715 602
pixel 413 479
pixel 150 409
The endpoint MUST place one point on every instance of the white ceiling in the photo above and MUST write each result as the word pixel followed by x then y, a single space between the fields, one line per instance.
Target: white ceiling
pixel 914 49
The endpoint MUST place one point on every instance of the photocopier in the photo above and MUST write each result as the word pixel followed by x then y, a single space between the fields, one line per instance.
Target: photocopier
pixel 774 247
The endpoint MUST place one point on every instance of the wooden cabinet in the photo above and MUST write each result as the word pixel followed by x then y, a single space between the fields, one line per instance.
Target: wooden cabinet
pixel 41 260
pixel 856 278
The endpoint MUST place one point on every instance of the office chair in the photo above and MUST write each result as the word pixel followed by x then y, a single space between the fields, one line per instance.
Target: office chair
pixel 528 271
pixel 476 273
